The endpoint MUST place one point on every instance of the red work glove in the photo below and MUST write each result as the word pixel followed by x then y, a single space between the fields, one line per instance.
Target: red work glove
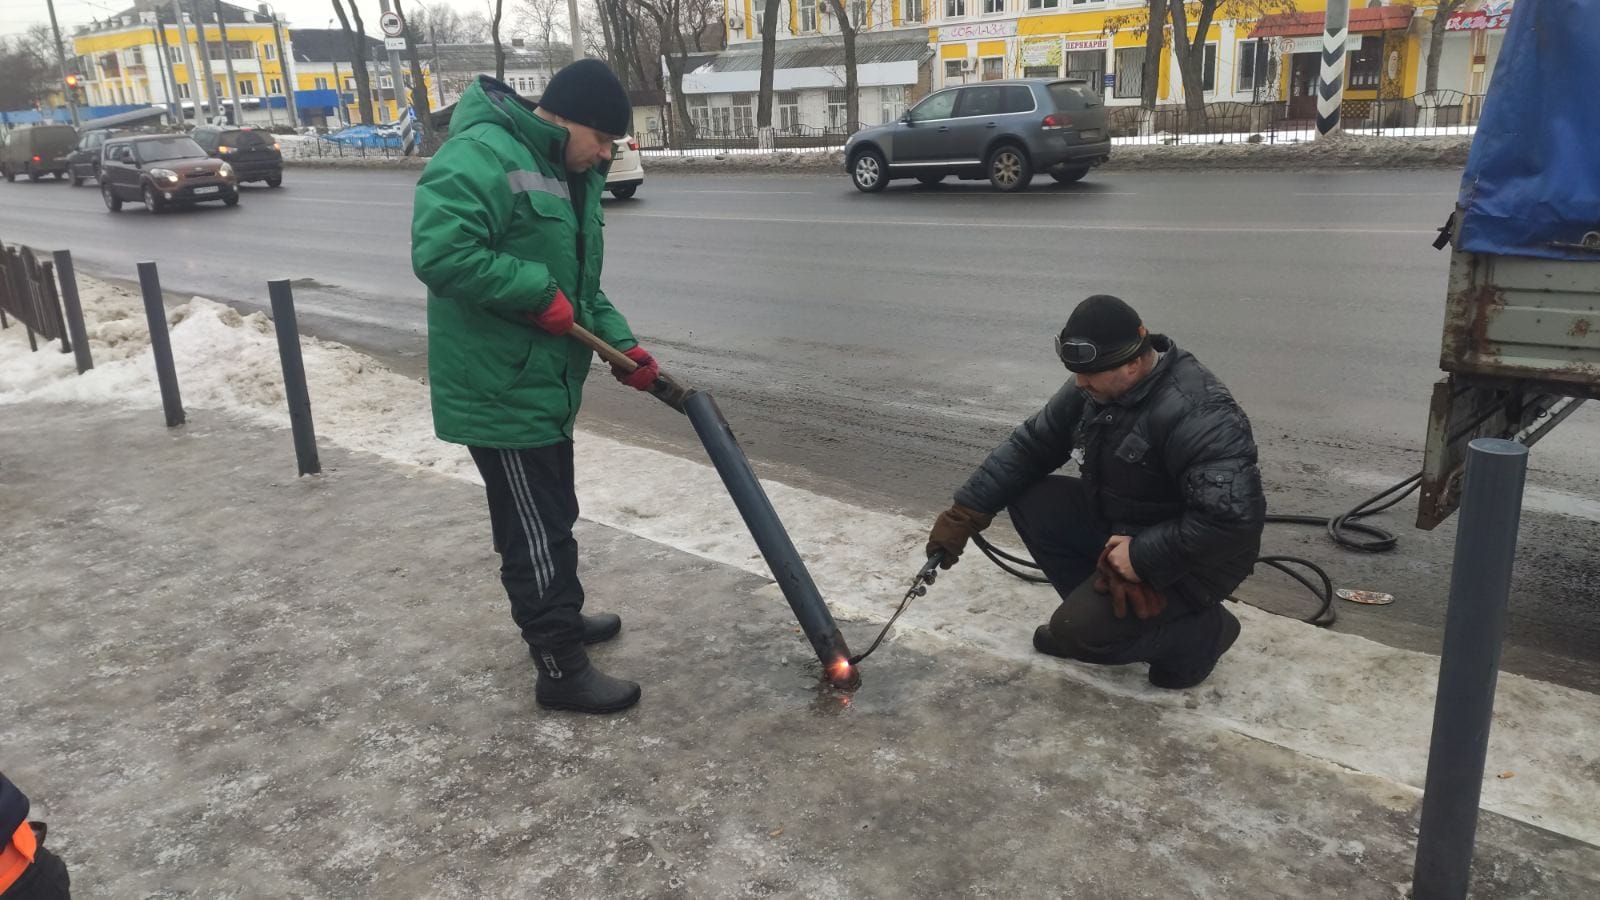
pixel 642 378
pixel 557 317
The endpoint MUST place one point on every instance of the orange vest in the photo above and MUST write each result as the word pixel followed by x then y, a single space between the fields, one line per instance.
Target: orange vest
pixel 16 856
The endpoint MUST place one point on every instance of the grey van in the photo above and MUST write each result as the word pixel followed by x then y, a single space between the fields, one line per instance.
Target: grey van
pixel 1004 131
pixel 37 151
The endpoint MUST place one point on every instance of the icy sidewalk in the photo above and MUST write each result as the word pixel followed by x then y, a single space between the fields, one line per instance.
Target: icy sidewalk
pixel 219 680
pixel 1327 697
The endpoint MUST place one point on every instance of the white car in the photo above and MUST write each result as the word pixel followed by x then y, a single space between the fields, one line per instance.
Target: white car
pixel 627 168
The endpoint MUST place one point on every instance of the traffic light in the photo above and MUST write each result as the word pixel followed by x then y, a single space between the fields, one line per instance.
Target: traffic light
pixel 72 81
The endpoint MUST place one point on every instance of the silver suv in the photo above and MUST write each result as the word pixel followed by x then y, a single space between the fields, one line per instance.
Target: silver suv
pixel 1004 131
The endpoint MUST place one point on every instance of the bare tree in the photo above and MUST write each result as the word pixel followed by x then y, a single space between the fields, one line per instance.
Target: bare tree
pixel 27 64
pixel 852 90
pixel 494 35
pixel 419 87
pixel 668 17
pixel 1188 52
pixel 633 43
pixel 1441 15
pixel 1154 48
pixel 444 23
pixel 541 20
pixel 358 51
pixel 769 55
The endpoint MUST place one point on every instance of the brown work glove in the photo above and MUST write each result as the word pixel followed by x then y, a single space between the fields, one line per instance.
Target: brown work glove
pixel 1147 602
pixel 951 531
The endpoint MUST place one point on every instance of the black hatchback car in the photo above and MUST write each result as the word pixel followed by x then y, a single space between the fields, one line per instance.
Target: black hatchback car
pixel 253 153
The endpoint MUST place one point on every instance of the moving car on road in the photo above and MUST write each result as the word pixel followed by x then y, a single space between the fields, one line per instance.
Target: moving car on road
pixel 84 161
pixel 253 153
pixel 161 170
pixel 37 151
pixel 627 168
pixel 1004 131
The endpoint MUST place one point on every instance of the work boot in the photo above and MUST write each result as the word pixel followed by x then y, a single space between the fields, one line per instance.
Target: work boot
pixel 567 680
pixel 602 627
pixel 1190 672
pixel 1044 641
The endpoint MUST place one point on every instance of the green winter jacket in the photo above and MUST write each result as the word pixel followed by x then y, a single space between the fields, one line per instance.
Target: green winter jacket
pixel 494 232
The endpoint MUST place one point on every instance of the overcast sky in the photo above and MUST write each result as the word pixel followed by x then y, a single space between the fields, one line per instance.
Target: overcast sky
pixel 17 15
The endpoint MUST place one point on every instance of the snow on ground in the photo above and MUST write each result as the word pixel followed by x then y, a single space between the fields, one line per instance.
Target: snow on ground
pixel 1336 697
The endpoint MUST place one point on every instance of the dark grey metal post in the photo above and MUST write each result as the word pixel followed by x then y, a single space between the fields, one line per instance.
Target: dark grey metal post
pixel 294 376
pixel 1486 547
pixel 160 343
pixel 74 309
pixel 771 538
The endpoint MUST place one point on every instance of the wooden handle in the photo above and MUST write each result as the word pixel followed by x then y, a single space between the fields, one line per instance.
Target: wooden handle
pixel 607 352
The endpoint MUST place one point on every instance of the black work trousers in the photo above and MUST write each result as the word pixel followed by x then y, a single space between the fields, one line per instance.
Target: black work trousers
pixel 1057 522
pixel 533 504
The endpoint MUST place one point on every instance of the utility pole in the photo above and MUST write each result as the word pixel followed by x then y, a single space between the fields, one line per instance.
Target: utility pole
pixel 338 91
pixel 575 25
pixel 169 78
pixel 213 101
pixel 61 60
pixel 394 67
pixel 227 66
pixel 1330 83
pixel 284 68
pixel 438 74
pixel 188 61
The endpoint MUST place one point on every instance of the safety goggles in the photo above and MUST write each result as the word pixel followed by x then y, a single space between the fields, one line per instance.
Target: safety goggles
pixel 1076 351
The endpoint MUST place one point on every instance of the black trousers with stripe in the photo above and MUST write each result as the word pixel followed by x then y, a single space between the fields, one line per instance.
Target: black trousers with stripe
pixel 533 505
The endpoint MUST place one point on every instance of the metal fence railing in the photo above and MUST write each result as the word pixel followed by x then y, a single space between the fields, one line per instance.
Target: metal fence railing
pixel 28 294
pixel 1422 115
pixel 746 140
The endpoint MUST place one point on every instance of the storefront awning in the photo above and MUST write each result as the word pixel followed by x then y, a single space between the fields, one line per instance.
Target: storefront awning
pixel 1311 24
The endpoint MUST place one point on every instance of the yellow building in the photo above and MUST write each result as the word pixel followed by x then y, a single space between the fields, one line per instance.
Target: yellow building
pixel 143 56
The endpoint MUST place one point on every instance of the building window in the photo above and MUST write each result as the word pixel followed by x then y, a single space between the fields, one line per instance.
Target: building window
pixel 1090 65
pixel 1085 2
pixel 994 7
pixel 1208 69
pixel 788 110
pixel 744 122
pixel 1247 65
pixel 808 16
pixel 269 52
pixel 241 50
pixel 912 11
pixel 994 68
pixel 892 102
pixel 1366 64
pixel 175 53
pixel 385 82
pixel 216 89
pixel 350 83
pixel 136 56
pixel 1044 4
pixel 383 114
pixel 838 108
pixel 955 9
pixel 952 71
pixel 277 87
pixel 700 114
pixel 758 17
pixel 247 87
pixel 1130 73
pixel 858 13
pixel 183 91
pixel 1040 72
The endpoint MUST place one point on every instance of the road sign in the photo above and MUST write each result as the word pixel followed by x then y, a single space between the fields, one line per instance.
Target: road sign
pixel 394 43
pixel 391 24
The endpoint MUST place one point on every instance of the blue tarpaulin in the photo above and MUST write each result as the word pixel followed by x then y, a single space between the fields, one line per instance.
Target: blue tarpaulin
pixel 371 136
pixel 1532 182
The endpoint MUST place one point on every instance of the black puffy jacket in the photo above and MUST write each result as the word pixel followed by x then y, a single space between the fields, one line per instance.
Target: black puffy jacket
pixel 1173 462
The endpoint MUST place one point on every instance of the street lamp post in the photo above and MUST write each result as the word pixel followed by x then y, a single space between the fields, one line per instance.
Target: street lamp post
pixel 285 65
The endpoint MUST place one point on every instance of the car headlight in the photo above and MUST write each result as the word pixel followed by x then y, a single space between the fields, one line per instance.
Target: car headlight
pixel 164 175
pixel 226 171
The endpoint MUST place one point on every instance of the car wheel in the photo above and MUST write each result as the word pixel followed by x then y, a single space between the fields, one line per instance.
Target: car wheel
pixel 77 180
pixel 931 180
pixel 113 202
pixel 33 176
pixel 151 201
pixel 1069 176
pixel 274 181
pixel 6 171
pixel 625 192
pixel 60 176
pixel 1009 169
pixel 231 201
pixel 869 172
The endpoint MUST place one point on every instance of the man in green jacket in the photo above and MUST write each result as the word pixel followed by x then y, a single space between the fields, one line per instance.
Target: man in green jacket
pixel 507 235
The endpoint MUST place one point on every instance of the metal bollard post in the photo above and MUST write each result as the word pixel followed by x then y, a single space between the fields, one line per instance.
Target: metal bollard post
pixel 294 376
pixel 69 299
pixel 160 343
pixel 1480 582
pixel 776 547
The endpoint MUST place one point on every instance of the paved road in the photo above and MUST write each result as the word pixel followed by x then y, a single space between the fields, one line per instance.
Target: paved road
pixel 876 347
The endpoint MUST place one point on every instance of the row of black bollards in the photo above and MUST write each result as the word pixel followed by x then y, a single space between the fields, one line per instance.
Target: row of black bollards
pixel 294 373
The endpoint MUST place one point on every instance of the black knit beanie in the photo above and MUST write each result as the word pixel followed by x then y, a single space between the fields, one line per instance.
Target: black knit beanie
pixel 1101 334
pixel 588 92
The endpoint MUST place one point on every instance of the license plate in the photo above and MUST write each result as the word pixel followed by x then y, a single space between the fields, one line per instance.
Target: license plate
pixel 1090 134
pixel 207 190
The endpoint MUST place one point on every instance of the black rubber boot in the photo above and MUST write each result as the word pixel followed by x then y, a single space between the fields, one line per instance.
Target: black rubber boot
pixel 1045 642
pixel 602 627
pixel 567 680
pixel 1189 673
